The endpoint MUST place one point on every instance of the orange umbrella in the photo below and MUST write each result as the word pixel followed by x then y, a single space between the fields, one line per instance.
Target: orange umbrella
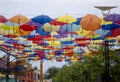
pixel 19 19
pixel 90 22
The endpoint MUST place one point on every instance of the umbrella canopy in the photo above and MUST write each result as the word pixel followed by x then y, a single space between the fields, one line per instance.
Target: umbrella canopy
pixel 102 32
pixel 5 29
pixel 41 19
pixel 66 19
pixel 105 22
pixel 3 19
pixel 50 28
pixel 90 22
pixel 56 23
pixel 78 21
pixel 112 26
pixel 112 17
pixel 69 28
pixel 19 19
pixel 27 27
pixel 11 24
pixel 116 32
pixel 42 31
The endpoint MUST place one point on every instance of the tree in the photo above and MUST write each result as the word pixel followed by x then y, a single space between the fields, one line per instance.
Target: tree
pixel 51 72
pixel 91 68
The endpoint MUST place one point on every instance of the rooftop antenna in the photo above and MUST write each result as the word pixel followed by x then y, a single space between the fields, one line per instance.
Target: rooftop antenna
pixel 106 11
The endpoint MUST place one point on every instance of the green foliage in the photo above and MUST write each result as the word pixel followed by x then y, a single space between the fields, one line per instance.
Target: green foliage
pixel 91 68
pixel 51 72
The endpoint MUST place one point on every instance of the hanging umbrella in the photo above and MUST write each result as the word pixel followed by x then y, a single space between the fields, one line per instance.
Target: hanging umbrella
pixel 105 22
pixel 41 31
pixel 112 26
pixel 19 19
pixel 56 23
pixel 90 22
pixel 11 24
pixel 27 27
pixel 4 29
pixel 42 19
pixel 66 19
pixel 116 32
pixel 101 32
pixel 50 28
pixel 69 28
pixel 3 19
pixel 112 17
pixel 78 21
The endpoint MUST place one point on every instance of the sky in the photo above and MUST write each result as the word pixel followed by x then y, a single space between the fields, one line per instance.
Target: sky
pixel 54 8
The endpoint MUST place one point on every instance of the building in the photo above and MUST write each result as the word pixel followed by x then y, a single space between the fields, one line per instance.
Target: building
pixel 28 74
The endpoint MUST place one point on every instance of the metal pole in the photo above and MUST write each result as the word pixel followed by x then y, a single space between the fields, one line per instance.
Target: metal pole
pixel 16 71
pixel 41 71
pixel 7 71
pixel 107 71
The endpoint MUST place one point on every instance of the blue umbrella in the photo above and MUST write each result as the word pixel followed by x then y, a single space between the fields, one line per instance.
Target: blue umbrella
pixel 112 17
pixel 78 21
pixel 11 24
pixel 102 32
pixel 110 26
pixel 41 31
pixel 69 28
pixel 42 19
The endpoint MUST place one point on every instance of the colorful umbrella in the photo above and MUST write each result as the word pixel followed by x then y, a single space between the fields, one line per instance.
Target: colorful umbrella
pixel 41 19
pixel 90 22
pixel 102 32
pixel 8 29
pixel 3 19
pixel 27 27
pixel 112 26
pixel 42 31
pixel 66 19
pixel 50 28
pixel 69 28
pixel 116 32
pixel 112 17
pixel 19 19
pixel 105 22
pixel 56 23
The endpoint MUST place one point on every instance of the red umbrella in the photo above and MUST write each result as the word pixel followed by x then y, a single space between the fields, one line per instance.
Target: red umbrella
pixel 55 22
pixel 3 19
pixel 27 27
pixel 116 32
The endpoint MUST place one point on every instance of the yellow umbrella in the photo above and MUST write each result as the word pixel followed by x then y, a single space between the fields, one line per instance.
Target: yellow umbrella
pixel 105 22
pixel 50 28
pixel 54 43
pixel 4 29
pixel 82 32
pixel 66 19
pixel 1 24
pixel 1 42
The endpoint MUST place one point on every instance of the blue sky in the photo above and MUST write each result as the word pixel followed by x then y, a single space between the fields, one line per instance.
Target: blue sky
pixel 54 8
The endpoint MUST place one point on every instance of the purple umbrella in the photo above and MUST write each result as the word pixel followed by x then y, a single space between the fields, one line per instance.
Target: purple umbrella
pixel 112 17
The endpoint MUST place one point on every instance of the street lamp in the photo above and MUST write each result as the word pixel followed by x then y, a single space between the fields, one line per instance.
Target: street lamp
pixel 105 8
pixel 107 72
